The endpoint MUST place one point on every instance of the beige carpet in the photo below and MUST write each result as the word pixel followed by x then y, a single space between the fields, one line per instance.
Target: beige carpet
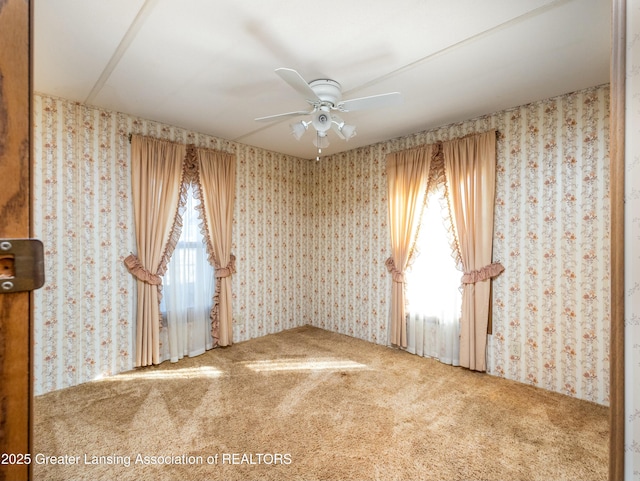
pixel 308 404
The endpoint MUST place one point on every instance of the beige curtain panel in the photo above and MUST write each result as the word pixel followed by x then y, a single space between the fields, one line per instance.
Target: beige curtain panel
pixel 156 177
pixel 407 177
pixel 470 165
pixel 217 181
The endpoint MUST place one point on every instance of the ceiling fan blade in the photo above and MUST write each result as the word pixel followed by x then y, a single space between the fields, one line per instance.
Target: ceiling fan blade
pixel 296 81
pixel 269 118
pixel 373 102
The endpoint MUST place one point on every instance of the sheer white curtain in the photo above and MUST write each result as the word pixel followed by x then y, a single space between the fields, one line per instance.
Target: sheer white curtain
pixel 433 287
pixel 188 288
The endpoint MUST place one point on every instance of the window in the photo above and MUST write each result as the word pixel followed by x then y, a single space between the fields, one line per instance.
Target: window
pixel 188 287
pixel 433 286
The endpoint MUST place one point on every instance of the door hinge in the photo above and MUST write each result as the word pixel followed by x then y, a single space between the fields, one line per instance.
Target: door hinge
pixel 21 265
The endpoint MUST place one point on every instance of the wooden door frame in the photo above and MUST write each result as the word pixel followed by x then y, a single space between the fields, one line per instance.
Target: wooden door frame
pixel 616 181
pixel 15 211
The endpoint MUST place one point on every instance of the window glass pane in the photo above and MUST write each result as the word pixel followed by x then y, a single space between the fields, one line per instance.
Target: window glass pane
pixel 189 268
pixel 433 281
pixel 188 288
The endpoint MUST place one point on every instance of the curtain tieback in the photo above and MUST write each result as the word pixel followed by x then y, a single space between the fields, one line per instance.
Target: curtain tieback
pixel 227 271
pixel 484 273
pixel 398 275
pixel 136 268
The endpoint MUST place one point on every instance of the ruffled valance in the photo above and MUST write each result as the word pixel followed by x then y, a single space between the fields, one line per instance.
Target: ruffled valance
pixel 398 275
pixel 137 269
pixel 484 273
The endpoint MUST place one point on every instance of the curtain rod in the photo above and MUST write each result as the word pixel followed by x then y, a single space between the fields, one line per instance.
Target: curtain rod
pixel 231 151
pixel 131 134
pixel 498 135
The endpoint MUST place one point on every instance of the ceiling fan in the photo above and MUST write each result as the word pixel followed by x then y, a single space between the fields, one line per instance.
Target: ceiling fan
pixel 325 96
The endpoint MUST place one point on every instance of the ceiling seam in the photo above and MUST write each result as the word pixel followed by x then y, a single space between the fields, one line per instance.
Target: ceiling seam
pixel 507 23
pixel 124 44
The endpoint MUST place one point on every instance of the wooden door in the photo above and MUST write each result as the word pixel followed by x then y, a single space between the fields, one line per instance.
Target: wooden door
pixel 15 148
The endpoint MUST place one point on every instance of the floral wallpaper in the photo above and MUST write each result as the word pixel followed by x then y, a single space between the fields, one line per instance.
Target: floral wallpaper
pixel 83 214
pixel 270 240
pixel 84 314
pixel 551 305
pixel 311 239
pixel 632 241
pixel 349 244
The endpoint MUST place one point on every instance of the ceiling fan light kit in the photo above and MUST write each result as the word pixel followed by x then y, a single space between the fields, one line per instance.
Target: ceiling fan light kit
pixel 325 95
pixel 322 119
pixel 299 128
pixel 321 141
pixel 345 131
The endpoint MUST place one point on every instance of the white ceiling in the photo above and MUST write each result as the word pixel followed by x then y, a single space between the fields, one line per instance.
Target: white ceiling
pixel 208 65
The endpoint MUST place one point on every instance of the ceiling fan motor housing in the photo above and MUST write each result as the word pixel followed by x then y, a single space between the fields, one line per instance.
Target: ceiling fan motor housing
pixel 329 91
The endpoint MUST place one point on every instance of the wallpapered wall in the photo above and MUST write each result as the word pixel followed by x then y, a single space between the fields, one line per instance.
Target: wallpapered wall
pixel 311 240
pixel 551 305
pixel 632 242
pixel 82 212
pixel 84 314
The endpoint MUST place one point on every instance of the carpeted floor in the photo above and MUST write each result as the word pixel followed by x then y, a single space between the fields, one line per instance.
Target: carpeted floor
pixel 308 404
